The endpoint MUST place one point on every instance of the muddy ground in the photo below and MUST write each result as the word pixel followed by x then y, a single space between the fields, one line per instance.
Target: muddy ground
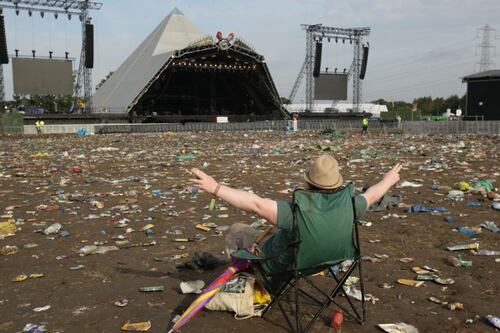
pixel 129 181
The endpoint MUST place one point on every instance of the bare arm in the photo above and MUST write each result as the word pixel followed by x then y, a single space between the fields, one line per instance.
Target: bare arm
pixel 249 202
pixel 377 191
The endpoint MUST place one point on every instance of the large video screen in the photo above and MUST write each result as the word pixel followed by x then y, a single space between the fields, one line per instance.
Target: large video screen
pixel 34 76
pixel 331 87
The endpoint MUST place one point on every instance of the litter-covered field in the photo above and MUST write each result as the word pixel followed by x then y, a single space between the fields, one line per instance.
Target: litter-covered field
pixel 98 231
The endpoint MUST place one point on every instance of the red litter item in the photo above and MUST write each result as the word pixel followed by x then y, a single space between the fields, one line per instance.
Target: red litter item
pixel 337 319
pixel 76 170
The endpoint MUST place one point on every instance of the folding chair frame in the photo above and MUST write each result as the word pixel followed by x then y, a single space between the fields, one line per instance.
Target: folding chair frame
pixel 329 298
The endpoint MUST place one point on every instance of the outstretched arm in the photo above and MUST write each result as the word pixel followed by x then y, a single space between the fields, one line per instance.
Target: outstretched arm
pixel 249 202
pixel 377 191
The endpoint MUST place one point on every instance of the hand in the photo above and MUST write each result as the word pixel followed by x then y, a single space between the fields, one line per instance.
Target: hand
pixel 204 181
pixel 392 177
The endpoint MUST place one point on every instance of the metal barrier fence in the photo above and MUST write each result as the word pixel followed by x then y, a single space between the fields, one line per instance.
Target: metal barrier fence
pixel 451 127
pixel 250 126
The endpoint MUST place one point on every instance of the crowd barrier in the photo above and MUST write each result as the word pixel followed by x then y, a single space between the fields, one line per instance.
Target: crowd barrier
pixel 409 127
pixel 452 127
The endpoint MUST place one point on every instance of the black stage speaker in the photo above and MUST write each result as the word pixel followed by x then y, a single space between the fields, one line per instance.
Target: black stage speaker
pixel 89 46
pixel 4 57
pixel 364 63
pixel 317 59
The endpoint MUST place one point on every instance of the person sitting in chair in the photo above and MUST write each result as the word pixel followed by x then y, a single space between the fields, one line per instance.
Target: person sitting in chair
pixel 322 175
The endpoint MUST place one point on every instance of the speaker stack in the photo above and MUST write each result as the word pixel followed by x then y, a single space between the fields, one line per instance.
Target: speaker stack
pixel 89 45
pixel 4 56
pixel 317 59
pixel 364 63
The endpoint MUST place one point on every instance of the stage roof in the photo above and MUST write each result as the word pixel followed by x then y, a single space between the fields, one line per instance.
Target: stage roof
pixel 175 32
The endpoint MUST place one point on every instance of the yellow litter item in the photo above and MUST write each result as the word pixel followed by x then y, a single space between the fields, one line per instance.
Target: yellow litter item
pixel 202 227
pixel 411 283
pixel 36 275
pixel 260 295
pixel 147 226
pixel 40 155
pixel 464 186
pixel 136 327
pixel 20 278
pixel 211 205
pixel 7 228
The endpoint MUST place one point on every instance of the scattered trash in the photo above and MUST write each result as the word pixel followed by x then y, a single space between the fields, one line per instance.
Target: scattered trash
pixel 53 229
pixel 42 308
pixel 437 300
pixel 337 320
pixel 136 327
pixel 408 184
pixel 355 293
pixel 411 283
pixel 471 231
pixel 121 303
pixel 494 321
pixel 424 209
pixel 406 260
pixel 8 250
pixel 456 195
pixel 192 287
pixel 448 219
pixel 472 246
pixel 458 262
pixel 152 289
pixel 455 306
pixel 490 225
pixel 483 252
pixel 33 328
pixel 398 328
pixel 7 229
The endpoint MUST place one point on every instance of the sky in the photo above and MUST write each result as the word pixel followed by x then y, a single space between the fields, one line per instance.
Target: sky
pixel 417 47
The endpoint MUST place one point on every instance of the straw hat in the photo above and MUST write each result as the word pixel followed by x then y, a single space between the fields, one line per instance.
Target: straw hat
pixel 324 173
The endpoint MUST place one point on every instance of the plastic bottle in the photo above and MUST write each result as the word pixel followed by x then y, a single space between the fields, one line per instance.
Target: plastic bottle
pixel 488 252
pixel 493 320
pixel 337 319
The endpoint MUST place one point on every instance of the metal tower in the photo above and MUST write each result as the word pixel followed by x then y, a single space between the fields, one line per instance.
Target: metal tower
pixel 2 86
pixel 317 32
pixel 84 77
pixel 488 34
pixel 78 8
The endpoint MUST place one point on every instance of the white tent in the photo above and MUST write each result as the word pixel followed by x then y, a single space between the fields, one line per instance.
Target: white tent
pixel 175 32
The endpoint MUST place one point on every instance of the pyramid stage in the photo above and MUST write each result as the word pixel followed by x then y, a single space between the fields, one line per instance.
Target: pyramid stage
pixel 179 74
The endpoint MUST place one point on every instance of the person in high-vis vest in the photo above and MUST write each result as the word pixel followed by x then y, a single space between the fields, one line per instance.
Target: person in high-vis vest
pixel 364 126
pixel 39 126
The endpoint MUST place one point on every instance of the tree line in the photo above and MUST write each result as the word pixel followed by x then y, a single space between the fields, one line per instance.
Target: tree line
pixel 426 105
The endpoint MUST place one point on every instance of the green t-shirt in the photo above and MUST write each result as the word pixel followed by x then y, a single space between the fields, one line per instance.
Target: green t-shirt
pixel 280 240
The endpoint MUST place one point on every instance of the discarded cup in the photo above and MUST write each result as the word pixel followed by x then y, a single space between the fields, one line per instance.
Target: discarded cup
pixel 192 287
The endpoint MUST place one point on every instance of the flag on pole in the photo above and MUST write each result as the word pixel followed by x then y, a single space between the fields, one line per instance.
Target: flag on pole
pixel 237 265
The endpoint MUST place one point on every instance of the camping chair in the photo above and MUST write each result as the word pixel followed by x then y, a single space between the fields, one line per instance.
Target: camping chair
pixel 318 245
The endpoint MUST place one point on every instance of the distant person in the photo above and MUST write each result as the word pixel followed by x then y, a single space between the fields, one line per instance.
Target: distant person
pixel 364 123
pixel 295 122
pixel 398 118
pixel 39 126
